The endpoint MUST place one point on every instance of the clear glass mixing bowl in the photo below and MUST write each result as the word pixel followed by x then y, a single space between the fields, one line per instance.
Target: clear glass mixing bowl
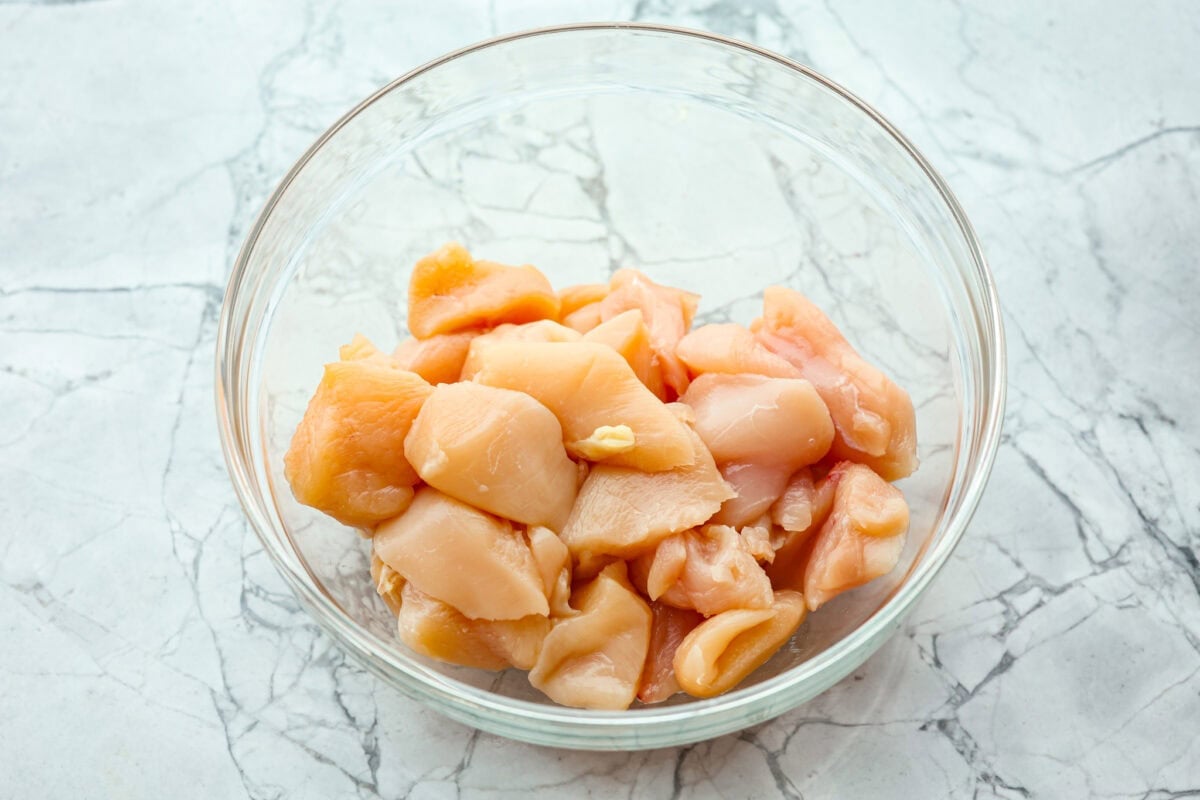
pixel 706 162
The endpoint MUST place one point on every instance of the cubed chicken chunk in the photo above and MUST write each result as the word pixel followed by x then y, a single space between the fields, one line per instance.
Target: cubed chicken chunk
pixel 573 298
pixel 544 330
pixel 553 562
pixel 730 350
pixel 669 627
pixel 347 455
pixel 451 291
pixel 360 348
pixel 756 486
pixel 628 335
pixel 471 560
pixel 496 449
pixel 595 658
pixel 710 570
pixel 667 312
pixel 779 422
pixel 622 511
pixel 438 359
pixel 875 421
pixel 587 386
pixel 440 631
pixel 862 538
pixel 723 650
pixel 583 319
pixel 797 516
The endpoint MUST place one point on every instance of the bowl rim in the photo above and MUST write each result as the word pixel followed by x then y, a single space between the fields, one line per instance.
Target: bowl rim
pixel 559 725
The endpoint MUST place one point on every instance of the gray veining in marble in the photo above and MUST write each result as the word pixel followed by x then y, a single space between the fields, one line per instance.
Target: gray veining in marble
pixel 149 649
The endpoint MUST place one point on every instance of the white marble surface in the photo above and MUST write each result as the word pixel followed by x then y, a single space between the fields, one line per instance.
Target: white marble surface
pixel 149 650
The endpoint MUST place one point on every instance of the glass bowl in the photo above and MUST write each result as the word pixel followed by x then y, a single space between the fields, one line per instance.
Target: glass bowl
pixel 706 162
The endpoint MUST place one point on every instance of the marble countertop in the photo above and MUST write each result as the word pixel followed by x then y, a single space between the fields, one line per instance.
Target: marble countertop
pixel 148 648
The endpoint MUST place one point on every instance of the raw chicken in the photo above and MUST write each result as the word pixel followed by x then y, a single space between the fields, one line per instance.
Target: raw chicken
pixel 582 468
pixel 450 291
pixel 518 641
pixel 573 298
pixel 756 538
pixel 778 422
pixel 628 335
pixel 388 582
pixel 587 386
pixel 464 557
pixel 624 512
pixel 713 571
pixel 668 628
pixel 553 562
pixel 732 350
pixel 347 455
pixel 656 571
pixel 875 421
pixel 793 511
pixel 438 359
pixel 583 319
pixel 439 631
pixel 360 348
pixel 723 650
pixel 497 449
pixel 595 659
pixel 667 312
pixel 757 486
pixel 861 540
pixel 526 508
pixel 544 330
pixel 586 566
pixel 798 515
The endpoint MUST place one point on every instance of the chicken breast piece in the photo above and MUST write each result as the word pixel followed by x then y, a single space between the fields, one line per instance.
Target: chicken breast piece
pixel 457 554
pixel 801 511
pixel 544 330
pixel 584 318
pixel 713 569
pixel 756 538
pixel 496 449
pixel 756 487
pixel 517 641
pixel 438 359
pixel 793 511
pixel 595 659
pixel 573 298
pixel 360 348
pixel 669 627
pixel 730 349
pixel 554 565
pixel 723 650
pixel 623 512
pixel 347 455
pixel 450 291
pixel 388 583
pixel 439 631
pixel 587 386
pixel 667 312
pixel 628 335
pixel 780 422
pixel 861 540
pixel 875 420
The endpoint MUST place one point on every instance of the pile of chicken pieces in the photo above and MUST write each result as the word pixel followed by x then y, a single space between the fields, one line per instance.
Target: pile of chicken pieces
pixel 580 485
